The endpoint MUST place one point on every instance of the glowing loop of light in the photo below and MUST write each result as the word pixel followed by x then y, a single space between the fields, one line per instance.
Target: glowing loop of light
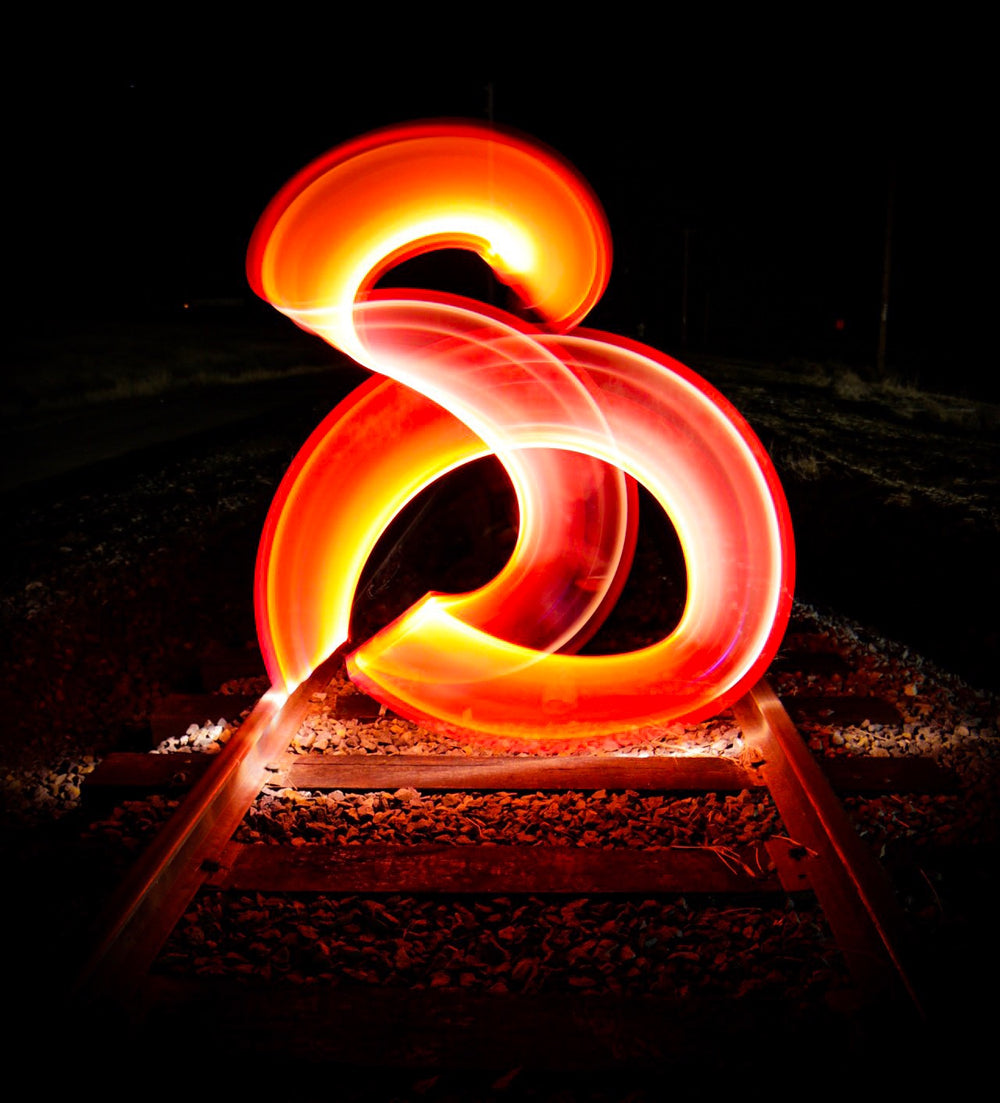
pixel 573 415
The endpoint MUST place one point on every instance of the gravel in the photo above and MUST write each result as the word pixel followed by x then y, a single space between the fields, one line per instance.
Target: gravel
pixel 712 948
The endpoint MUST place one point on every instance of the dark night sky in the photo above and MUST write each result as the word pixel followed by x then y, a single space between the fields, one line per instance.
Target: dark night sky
pixel 140 188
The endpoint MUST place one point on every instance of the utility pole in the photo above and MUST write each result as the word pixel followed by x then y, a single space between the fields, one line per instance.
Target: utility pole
pixel 886 265
pixel 684 288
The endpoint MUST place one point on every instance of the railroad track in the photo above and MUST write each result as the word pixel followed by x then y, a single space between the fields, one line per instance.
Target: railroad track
pixel 817 855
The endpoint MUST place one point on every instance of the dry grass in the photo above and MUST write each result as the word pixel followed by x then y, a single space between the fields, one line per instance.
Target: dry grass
pixel 906 398
pixel 82 366
pixel 162 381
pixel 79 367
pixel 801 463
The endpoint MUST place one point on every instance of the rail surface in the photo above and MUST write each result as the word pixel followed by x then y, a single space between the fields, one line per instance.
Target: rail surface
pixel 850 885
pixel 163 882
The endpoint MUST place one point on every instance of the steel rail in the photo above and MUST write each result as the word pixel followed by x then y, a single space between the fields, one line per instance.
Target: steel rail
pixel 154 895
pixel 851 887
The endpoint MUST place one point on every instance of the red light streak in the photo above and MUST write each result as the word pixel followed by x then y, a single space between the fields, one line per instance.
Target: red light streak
pixel 574 415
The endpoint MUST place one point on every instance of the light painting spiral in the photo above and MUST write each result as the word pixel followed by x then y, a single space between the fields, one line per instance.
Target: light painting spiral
pixel 575 416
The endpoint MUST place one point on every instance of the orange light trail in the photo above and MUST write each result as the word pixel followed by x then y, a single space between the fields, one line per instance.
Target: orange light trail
pixel 575 416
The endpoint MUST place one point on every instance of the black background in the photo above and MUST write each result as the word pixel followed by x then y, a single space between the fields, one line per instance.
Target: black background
pixel 136 185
